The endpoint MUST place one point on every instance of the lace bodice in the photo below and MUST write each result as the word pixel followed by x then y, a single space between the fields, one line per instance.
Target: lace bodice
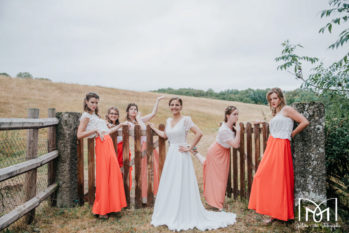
pixel 281 126
pixel 178 133
pixel 224 134
pixel 95 123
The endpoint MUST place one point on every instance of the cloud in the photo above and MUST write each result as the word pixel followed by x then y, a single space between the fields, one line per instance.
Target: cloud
pixel 145 45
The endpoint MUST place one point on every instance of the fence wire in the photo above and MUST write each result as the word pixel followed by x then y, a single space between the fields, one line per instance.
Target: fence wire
pixel 13 147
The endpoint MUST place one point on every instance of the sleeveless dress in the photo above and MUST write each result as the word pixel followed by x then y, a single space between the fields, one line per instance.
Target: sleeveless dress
pixel 110 194
pixel 178 204
pixel 273 184
pixel 216 167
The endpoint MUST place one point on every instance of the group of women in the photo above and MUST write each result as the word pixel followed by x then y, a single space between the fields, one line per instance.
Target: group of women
pixel 178 204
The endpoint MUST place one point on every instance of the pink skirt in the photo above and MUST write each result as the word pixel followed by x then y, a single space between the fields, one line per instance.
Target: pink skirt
pixel 216 170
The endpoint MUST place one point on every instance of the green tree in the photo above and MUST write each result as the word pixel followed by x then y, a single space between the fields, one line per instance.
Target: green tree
pixel 24 75
pixel 331 84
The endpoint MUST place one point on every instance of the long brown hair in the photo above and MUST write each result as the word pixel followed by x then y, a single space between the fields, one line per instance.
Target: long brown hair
pixel 87 98
pixel 228 110
pixel 107 115
pixel 279 93
pixel 128 108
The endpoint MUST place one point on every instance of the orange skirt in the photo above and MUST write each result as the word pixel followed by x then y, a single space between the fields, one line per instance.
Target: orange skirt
pixel 121 162
pixel 273 184
pixel 110 194
pixel 144 173
pixel 216 170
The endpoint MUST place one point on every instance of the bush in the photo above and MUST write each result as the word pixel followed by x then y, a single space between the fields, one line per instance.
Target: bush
pixel 24 75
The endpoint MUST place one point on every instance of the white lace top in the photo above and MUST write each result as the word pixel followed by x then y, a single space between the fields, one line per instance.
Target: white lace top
pixel 177 134
pixel 95 123
pixel 281 126
pixel 224 135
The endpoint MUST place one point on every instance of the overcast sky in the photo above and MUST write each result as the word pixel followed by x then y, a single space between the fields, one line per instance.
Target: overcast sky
pixel 149 44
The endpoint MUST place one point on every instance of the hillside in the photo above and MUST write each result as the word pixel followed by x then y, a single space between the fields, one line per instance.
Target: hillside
pixel 17 95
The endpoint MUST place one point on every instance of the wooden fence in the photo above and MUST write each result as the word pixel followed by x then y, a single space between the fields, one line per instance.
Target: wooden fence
pixel 126 134
pixel 245 159
pixel 243 163
pixel 31 164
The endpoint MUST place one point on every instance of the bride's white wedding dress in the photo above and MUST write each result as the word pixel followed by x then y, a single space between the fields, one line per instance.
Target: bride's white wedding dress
pixel 178 204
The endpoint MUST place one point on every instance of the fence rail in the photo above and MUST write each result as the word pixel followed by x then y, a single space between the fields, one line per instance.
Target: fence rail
pixel 30 166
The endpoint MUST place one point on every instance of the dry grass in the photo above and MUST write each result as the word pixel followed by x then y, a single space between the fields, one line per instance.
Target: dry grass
pixel 17 95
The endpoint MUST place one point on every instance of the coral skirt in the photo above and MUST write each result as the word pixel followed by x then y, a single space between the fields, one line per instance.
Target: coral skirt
pixel 144 173
pixel 273 184
pixel 216 170
pixel 121 162
pixel 110 194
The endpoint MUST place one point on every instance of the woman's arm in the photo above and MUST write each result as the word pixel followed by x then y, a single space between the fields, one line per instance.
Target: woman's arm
pixel 148 117
pixel 157 131
pixel 115 128
pixel 296 116
pixel 198 134
pixel 82 133
pixel 235 142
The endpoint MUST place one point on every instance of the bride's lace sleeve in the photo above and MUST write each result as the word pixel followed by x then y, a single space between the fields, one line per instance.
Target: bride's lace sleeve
pixel 188 123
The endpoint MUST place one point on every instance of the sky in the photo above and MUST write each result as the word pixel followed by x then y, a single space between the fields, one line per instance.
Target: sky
pixel 145 45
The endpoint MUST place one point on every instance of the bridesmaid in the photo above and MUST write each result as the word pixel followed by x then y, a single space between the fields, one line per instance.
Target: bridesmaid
pixel 112 118
pixel 273 184
pixel 216 164
pixel 134 117
pixel 110 194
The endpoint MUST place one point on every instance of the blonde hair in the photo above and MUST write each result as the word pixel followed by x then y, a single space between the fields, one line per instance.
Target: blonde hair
pixel 280 95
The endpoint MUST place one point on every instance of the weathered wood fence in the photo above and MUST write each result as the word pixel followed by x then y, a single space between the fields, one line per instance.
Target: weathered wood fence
pixel 245 160
pixel 138 154
pixel 33 162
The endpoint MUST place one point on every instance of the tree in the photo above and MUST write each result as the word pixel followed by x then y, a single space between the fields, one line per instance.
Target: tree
pixel 24 75
pixel 331 83
pixel 333 79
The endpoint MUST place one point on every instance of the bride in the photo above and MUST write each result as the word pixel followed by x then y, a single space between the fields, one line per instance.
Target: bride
pixel 178 204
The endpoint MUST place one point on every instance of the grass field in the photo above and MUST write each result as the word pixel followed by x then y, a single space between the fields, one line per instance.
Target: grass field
pixel 17 95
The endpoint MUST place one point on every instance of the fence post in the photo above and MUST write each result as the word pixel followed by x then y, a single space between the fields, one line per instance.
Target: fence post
pixel 126 160
pixel 32 151
pixel 138 154
pixel 309 154
pixel 150 148
pixel 249 158
pixel 257 151
pixel 67 168
pixel 51 146
pixel 235 173
pixel 242 161
pixel 162 150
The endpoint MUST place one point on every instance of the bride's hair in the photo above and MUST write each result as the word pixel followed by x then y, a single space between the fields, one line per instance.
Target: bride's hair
pixel 228 110
pixel 175 98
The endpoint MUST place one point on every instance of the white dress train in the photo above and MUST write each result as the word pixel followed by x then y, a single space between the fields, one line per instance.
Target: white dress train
pixel 178 204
